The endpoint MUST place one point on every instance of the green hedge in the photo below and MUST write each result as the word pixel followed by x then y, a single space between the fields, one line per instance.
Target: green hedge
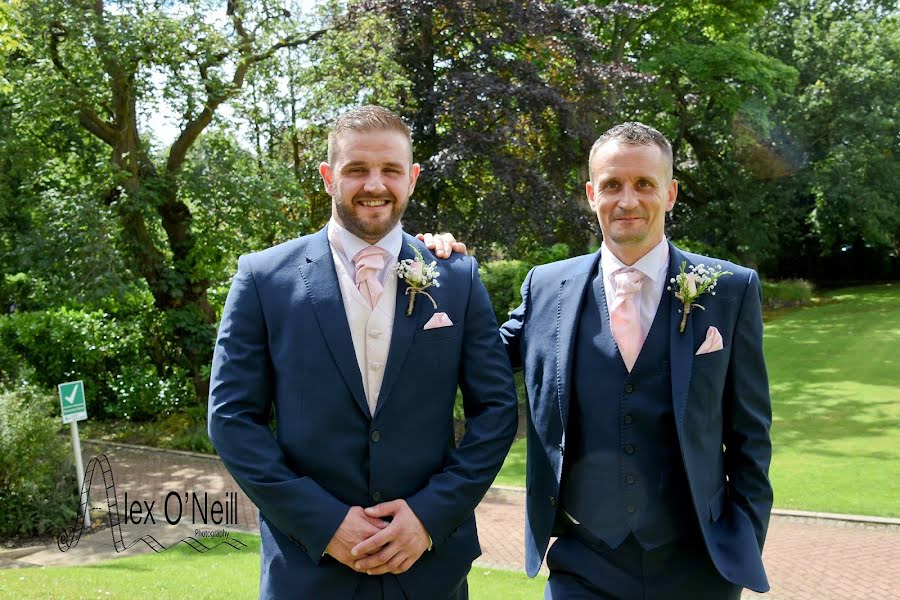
pixel 790 292
pixel 503 278
pixel 38 491
pixel 111 356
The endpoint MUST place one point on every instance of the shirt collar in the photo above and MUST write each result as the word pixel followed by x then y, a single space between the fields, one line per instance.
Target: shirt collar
pixel 350 245
pixel 654 264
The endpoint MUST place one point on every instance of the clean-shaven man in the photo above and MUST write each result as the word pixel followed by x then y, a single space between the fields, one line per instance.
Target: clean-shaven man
pixel 648 446
pixel 362 491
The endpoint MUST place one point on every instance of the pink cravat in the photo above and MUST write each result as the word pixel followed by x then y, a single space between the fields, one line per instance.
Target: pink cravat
pixel 624 318
pixel 369 263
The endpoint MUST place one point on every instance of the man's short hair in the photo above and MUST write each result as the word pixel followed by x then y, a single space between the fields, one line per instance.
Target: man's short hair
pixel 636 134
pixel 366 118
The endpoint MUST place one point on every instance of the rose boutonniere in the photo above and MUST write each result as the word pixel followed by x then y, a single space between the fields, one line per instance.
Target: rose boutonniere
pixel 418 277
pixel 693 282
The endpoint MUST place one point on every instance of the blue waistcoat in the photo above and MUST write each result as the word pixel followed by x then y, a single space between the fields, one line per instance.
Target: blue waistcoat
pixel 623 467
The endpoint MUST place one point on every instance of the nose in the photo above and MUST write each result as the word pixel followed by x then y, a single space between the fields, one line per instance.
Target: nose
pixel 375 183
pixel 628 198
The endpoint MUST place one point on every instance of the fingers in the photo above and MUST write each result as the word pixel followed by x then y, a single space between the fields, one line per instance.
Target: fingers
pixel 373 544
pixel 389 557
pixel 442 244
pixel 392 565
pixel 404 566
pixel 385 508
pixel 428 239
pixel 379 523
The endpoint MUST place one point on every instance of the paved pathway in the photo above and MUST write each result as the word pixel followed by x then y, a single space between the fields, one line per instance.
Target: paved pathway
pixel 806 558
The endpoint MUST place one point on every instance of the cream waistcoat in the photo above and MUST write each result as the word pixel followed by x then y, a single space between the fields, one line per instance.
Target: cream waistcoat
pixel 370 329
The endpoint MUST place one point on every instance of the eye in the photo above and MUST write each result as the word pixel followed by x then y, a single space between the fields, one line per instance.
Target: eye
pixel 611 185
pixel 645 183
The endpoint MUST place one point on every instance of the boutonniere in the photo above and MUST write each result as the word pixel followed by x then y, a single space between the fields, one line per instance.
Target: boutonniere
pixel 418 277
pixel 691 284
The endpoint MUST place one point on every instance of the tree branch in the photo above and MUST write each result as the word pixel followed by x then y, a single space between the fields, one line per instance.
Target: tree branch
pixel 97 126
pixel 195 127
pixel 86 115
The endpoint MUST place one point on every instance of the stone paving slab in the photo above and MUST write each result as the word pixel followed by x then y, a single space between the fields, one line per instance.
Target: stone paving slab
pixel 806 558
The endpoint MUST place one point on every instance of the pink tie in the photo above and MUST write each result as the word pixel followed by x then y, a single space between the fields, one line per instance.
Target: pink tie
pixel 624 319
pixel 369 263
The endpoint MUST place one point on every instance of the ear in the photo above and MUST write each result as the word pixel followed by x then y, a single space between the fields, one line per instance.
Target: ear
pixel 673 194
pixel 327 176
pixel 589 190
pixel 414 171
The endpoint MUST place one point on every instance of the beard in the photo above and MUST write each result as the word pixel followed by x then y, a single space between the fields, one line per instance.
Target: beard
pixel 368 229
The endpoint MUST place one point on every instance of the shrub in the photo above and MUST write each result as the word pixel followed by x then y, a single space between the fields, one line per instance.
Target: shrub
pixel 503 281
pixel 38 491
pixel 111 355
pixel 790 292
pixel 503 278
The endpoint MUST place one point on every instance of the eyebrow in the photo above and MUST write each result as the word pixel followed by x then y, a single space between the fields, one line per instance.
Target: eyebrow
pixel 358 163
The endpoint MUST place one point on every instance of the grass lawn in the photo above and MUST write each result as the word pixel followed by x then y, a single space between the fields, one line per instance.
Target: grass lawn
pixel 834 374
pixel 183 573
pixel 513 470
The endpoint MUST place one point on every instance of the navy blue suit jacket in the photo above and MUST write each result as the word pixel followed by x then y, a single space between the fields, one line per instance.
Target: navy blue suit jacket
pixel 720 399
pixel 284 344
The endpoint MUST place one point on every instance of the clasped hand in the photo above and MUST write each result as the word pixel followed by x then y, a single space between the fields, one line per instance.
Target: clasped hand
pixel 368 544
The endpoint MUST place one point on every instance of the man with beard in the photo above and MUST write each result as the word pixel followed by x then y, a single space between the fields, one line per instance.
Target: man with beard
pixel 362 491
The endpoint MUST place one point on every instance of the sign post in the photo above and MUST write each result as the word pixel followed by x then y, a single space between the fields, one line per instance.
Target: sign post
pixel 74 409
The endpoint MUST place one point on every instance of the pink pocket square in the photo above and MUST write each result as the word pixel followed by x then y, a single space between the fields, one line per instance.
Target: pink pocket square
pixel 712 343
pixel 438 319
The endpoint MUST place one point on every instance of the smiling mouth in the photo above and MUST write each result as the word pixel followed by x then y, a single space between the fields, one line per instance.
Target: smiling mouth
pixel 373 203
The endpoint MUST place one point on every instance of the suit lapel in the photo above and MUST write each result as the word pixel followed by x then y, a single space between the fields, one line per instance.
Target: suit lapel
pixel 681 345
pixel 572 291
pixel 404 327
pixel 319 274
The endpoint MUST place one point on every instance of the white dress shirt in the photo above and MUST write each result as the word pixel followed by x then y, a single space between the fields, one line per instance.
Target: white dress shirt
pixel 349 245
pixel 655 267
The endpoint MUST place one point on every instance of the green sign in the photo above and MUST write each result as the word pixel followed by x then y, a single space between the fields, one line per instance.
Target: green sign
pixel 71 399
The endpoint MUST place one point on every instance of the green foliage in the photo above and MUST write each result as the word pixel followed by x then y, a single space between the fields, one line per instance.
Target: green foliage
pixel 790 292
pixel 503 278
pixel 112 356
pixel 36 475
pixel 702 248
pixel 843 118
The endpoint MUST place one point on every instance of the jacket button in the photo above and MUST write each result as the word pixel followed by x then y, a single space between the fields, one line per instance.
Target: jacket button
pixel 629 388
pixel 552 501
pixel 629 479
pixel 377 496
pixel 628 419
pixel 630 508
pixel 629 449
pixel 376 436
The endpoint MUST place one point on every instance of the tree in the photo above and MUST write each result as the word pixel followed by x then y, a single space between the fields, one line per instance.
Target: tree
pixel 501 102
pixel 100 65
pixel 844 115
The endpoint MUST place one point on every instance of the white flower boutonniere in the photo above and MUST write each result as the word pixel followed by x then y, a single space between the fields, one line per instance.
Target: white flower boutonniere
pixel 689 285
pixel 418 277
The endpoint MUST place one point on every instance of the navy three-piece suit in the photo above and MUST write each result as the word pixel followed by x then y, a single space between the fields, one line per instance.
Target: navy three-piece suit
pixel 285 345
pixel 677 449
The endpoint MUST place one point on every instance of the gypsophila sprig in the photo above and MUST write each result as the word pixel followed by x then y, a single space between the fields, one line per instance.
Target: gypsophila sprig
pixel 690 284
pixel 418 277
